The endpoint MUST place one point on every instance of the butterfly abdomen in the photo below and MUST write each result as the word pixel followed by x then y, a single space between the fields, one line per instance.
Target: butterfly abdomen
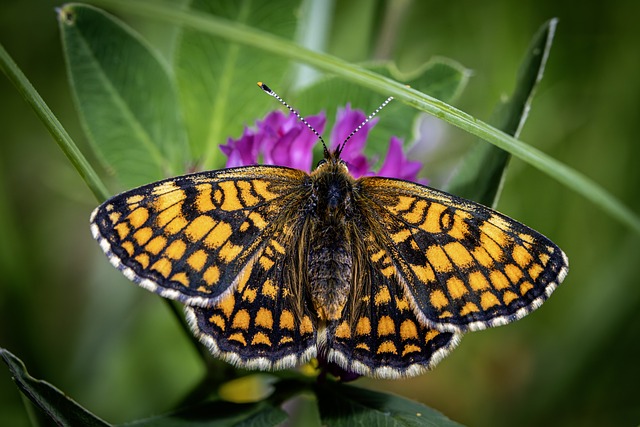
pixel 330 267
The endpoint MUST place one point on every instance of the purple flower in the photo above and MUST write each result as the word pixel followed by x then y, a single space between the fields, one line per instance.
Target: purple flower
pixel 278 139
pixel 241 152
pixel 283 140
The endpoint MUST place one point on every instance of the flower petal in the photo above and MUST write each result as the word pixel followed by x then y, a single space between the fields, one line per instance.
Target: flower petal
pixel 281 153
pixel 396 165
pixel 241 152
pixel 347 121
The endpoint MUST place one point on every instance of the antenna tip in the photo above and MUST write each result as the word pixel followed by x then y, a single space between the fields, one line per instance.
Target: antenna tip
pixel 264 87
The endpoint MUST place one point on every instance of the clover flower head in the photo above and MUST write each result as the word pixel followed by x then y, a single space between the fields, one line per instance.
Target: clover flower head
pixel 283 140
pixel 396 164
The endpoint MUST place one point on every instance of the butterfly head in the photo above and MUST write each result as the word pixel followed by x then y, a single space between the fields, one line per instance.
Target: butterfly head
pixel 332 186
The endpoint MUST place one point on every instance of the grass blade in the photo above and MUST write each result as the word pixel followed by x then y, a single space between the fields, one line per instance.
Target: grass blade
pixel 54 126
pixel 567 176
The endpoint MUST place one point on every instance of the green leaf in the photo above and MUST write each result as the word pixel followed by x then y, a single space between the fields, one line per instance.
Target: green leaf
pixel 440 77
pixel 481 173
pixel 64 411
pixel 58 406
pixel 344 405
pixel 126 99
pixel 217 79
pixel 219 414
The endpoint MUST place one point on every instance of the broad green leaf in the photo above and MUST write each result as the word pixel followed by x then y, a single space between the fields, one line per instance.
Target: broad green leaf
pixel 440 77
pixel 344 405
pixel 219 414
pixel 125 97
pixel 481 173
pixel 217 79
pixel 57 405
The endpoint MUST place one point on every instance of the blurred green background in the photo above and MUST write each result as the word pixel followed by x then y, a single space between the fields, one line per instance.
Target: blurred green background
pixel 116 349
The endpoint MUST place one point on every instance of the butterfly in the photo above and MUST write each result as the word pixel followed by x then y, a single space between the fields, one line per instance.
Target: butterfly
pixel 277 266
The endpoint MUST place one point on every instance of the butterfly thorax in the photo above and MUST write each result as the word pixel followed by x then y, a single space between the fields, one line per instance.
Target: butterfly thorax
pixel 332 188
pixel 330 259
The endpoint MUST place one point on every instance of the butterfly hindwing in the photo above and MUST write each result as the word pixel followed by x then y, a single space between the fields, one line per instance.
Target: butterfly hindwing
pixel 465 266
pixel 189 238
pixel 263 323
pixel 381 335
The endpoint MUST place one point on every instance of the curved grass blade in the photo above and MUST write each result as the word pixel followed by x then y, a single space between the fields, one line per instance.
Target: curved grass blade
pixel 55 404
pixel 70 149
pixel 482 171
pixel 567 176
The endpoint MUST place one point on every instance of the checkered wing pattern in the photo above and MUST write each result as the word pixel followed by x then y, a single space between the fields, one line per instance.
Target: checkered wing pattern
pixel 377 275
pixel 263 323
pixel 191 238
pixel 462 265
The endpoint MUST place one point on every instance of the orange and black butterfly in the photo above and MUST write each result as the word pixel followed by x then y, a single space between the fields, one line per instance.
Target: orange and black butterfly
pixel 277 266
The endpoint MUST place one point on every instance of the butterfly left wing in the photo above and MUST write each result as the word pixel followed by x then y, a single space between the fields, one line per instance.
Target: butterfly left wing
pixel 190 238
pixel 464 266
pixel 264 323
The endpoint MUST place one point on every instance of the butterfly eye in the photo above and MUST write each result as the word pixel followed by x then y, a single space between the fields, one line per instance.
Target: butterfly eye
pixel 321 162
pixel 344 165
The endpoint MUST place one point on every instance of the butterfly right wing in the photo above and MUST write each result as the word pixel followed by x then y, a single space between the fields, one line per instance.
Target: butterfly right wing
pixel 379 334
pixel 190 238
pixel 464 266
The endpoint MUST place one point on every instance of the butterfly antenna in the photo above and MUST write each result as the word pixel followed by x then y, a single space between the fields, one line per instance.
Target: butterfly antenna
pixel 362 124
pixel 268 90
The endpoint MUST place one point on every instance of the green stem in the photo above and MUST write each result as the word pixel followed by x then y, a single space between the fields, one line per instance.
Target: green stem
pixel 269 43
pixel 69 148
pixel 200 349
pixel 54 127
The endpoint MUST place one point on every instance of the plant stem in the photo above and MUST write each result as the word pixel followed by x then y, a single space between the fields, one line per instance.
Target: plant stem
pixel 55 128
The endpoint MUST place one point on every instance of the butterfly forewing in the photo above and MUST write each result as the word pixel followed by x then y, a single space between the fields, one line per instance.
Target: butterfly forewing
pixel 463 265
pixel 189 238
